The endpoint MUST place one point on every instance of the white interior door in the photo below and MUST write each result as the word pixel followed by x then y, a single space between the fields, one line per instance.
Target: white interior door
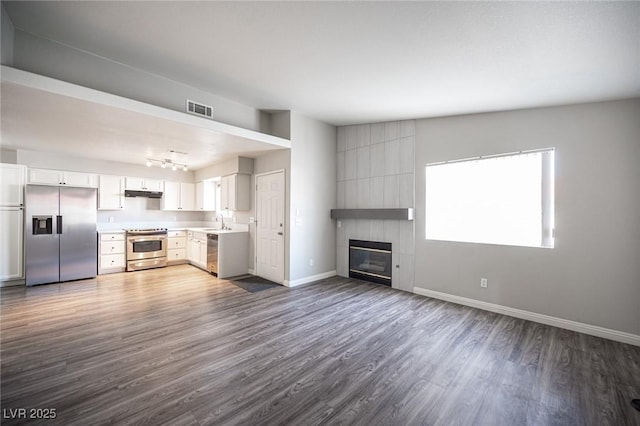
pixel 270 226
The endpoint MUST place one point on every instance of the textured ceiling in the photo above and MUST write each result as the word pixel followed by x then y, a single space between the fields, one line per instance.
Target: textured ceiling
pixel 352 62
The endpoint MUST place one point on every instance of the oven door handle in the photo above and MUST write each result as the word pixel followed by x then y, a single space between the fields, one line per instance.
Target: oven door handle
pixel 142 240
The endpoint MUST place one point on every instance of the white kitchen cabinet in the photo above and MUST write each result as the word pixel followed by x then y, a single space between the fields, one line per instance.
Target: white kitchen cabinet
pixel 187 196
pixel 178 196
pixel 12 179
pixel 233 254
pixel 45 177
pixel 111 192
pixel 193 250
pixel 171 196
pixel 235 192
pixel 11 240
pixel 111 247
pixel 85 180
pixel 177 247
pixel 176 256
pixel 203 253
pixel 143 184
pixel 176 234
pixel 197 249
pixel 62 178
pixel 112 263
pixel 206 195
pixel 112 252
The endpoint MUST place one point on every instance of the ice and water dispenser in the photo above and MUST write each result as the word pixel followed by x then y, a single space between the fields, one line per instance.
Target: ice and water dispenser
pixel 42 225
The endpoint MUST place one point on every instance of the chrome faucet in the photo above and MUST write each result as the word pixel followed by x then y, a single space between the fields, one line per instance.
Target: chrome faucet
pixel 222 220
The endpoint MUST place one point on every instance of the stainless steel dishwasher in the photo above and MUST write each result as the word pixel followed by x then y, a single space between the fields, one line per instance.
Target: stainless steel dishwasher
pixel 212 254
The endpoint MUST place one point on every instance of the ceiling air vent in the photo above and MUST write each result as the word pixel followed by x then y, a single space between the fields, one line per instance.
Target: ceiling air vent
pixel 199 109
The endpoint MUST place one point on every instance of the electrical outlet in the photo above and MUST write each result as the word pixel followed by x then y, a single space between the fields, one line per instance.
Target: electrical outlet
pixel 310 262
pixel 484 283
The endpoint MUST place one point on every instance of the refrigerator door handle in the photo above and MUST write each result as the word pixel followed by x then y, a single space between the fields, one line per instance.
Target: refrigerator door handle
pixel 59 224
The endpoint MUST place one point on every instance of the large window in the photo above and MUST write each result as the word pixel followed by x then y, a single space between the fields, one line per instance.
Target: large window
pixel 504 199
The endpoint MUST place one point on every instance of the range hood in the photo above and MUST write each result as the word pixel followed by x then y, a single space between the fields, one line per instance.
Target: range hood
pixel 140 193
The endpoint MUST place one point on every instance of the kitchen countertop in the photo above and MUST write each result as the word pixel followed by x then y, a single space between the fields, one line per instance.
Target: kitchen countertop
pixel 214 231
pixel 197 226
pixel 203 230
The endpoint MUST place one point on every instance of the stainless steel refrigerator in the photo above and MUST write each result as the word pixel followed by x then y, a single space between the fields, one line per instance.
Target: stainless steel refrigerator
pixel 60 234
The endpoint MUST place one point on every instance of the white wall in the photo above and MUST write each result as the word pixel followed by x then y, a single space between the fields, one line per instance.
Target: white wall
pixel 142 212
pixel 313 195
pixel 233 165
pixel 593 274
pixel 6 39
pixel 9 156
pixel 41 56
pixel 280 124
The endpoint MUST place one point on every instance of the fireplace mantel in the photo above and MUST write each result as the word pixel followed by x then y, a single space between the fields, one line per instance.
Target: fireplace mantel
pixel 378 214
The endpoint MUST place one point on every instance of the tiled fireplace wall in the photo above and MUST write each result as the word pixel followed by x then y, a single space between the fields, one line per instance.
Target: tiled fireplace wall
pixel 375 167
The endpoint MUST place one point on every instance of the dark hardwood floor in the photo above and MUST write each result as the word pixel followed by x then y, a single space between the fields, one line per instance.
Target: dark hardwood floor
pixel 177 346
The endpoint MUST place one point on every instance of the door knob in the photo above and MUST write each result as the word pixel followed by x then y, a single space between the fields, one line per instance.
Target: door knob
pixel 279 233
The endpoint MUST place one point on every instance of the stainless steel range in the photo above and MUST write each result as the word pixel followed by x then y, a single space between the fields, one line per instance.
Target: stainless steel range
pixel 146 248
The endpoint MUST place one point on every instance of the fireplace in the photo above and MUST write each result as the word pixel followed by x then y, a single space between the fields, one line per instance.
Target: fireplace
pixel 370 261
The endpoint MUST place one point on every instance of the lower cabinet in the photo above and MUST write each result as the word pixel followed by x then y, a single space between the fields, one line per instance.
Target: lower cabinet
pixel 233 254
pixel 177 247
pixel 11 226
pixel 112 252
pixel 197 249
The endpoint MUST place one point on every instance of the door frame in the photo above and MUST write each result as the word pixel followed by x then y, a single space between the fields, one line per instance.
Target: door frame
pixel 284 210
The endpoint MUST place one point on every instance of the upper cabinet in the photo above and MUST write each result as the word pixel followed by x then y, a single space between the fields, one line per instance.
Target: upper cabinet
pixel 235 192
pixel 179 196
pixel 60 177
pixel 12 179
pixel 143 184
pixel 111 192
pixel 206 195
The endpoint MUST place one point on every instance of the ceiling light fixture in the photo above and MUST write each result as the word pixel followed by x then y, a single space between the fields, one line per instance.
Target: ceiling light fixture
pixel 166 162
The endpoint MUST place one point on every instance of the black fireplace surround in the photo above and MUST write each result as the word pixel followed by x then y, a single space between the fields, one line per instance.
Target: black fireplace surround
pixel 370 261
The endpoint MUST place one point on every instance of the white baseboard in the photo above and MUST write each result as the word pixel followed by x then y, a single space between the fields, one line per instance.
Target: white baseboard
pixel 13 283
pixel 309 279
pixel 593 330
pixel 251 271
